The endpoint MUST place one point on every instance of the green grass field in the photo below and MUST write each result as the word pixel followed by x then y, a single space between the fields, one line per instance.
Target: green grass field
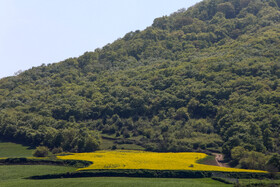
pixel 8 149
pixel 112 182
pixel 10 172
pixel 259 182
pixel 12 175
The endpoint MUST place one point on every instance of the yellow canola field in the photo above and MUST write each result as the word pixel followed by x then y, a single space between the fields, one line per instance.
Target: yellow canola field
pixel 128 159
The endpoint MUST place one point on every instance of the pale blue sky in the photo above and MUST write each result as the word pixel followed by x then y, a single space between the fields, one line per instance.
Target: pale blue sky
pixel 33 32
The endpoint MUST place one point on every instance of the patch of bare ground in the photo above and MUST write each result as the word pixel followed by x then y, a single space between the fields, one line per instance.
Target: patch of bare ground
pixel 219 159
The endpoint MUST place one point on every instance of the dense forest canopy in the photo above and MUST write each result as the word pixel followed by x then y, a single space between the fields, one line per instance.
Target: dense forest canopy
pixel 206 78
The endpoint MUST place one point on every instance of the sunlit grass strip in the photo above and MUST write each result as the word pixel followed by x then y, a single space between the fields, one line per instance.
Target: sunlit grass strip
pixel 128 159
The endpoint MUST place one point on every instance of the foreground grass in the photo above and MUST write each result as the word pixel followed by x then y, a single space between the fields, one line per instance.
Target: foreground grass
pixel 255 182
pixel 8 149
pixel 13 176
pixel 114 182
pixel 128 159
pixel 21 171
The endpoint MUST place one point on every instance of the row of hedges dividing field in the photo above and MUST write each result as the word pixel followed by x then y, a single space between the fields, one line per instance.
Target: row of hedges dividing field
pixel 152 174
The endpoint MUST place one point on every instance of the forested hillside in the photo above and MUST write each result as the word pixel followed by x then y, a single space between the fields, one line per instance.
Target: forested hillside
pixel 206 78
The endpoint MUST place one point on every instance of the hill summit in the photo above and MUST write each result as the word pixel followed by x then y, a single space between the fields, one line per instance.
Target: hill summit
pixel 206 78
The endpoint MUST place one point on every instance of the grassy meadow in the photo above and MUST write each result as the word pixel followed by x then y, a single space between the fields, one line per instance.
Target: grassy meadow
pixel 8 149
pixel 9 172
pixel 113 182
pixel 131 159
pixel 258 182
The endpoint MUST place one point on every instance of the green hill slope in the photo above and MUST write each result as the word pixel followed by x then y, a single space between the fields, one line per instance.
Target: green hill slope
pixel 205 78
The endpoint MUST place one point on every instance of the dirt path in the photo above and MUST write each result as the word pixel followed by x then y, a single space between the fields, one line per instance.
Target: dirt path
pixel 219 159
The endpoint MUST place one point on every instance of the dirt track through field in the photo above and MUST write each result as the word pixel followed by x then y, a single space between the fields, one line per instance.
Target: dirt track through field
pixel 219 160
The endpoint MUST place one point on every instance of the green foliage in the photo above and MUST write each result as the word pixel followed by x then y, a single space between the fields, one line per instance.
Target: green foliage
pixel 237 153
pixel 41 151
pixel 254 160
pixel 273 163
pixel 152 174
pixel 48 161
pixel 227 8
pixel 206 78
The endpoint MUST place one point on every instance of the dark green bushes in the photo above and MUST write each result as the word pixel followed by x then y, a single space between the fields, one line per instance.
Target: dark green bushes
pixel 41 151
pixel 150 173
pixel 201 79
pixel 27 161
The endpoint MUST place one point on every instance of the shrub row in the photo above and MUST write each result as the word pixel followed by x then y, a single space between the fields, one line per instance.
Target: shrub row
pixel 27 161
pixel 150 174
pixel 129 173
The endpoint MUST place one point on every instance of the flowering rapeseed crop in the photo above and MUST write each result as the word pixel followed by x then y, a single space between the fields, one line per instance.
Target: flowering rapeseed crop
pixel 127 159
